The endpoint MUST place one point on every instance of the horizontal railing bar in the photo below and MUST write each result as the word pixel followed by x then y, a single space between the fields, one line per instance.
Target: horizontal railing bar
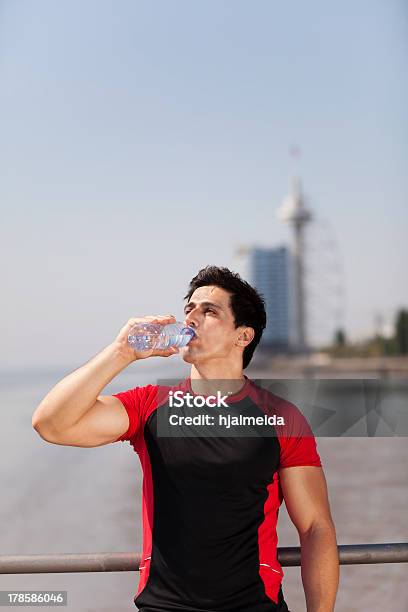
pixel 349 554
pixel 354 554
pixel 69 562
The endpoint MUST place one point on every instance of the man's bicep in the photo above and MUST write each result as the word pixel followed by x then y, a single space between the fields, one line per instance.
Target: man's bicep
pixel 305 493
pixel 105 422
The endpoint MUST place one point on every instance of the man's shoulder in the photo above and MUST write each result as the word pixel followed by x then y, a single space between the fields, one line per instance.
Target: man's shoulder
pixel 265 395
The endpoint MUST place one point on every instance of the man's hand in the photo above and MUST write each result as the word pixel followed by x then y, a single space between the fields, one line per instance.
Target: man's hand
pixel 305 493
pixel 127 351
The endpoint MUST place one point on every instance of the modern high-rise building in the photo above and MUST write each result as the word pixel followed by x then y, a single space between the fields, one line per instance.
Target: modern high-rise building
pixel 294 212
pixel 268 269
pixel 279 274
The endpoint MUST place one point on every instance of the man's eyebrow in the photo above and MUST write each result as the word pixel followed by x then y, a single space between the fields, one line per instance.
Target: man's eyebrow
pixel 203 304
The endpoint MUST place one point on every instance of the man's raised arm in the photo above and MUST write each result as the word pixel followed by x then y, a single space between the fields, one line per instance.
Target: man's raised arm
pixel 73 413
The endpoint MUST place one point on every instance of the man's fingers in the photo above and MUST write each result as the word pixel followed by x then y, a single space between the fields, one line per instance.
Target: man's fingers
pixel 148 319
pixel 165 319
pixel 154 319
pixel 167 352
pixel 161 319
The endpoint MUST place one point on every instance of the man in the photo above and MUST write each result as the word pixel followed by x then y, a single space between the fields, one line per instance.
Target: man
pixel 210 501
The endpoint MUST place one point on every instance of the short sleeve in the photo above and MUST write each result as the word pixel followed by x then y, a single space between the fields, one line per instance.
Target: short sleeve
pixel 297 442
pixel 133 401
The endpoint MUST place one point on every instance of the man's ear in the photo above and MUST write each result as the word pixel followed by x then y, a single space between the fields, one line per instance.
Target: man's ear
pixel 246 335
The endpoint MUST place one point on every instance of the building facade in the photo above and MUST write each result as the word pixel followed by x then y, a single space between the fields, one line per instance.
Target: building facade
pixel 268 269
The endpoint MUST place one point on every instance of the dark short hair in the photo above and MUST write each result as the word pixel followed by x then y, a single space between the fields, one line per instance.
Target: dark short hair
pixel 247 304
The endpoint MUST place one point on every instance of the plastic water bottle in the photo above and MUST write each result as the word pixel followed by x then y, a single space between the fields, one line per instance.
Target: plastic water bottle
pixel 147 336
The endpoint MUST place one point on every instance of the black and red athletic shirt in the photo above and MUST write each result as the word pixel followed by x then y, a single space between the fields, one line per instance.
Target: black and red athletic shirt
pixel 210 503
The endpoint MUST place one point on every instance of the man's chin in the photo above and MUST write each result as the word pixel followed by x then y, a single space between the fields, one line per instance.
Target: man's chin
pixel 188 354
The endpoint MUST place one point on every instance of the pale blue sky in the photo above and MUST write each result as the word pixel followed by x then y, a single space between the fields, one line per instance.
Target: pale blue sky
pixel 141 140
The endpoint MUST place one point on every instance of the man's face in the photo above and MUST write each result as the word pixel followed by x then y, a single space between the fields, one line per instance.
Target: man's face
pixel 209 313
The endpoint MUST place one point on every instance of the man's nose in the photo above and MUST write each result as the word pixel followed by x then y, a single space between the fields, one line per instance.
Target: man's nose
pixel 191 319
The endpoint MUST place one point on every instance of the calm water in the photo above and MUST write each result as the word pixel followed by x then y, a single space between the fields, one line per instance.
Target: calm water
pixel 63 499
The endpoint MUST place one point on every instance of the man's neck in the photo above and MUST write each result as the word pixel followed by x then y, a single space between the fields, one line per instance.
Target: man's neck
pixel 207 379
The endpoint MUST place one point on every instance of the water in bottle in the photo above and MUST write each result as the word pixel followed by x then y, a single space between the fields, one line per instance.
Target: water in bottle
pixel 147 336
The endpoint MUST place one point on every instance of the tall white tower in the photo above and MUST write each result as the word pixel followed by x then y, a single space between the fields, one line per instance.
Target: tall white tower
pixel 294 212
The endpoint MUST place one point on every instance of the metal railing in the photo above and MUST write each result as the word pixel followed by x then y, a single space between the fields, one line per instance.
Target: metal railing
pixel 349 554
